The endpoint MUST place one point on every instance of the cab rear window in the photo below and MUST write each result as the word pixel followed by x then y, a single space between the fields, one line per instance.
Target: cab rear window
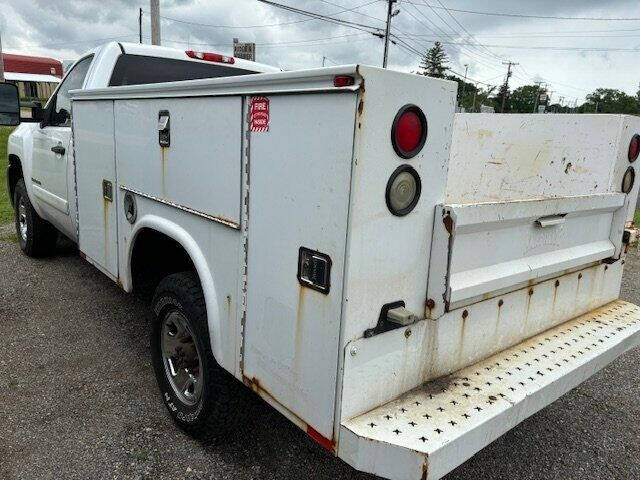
pixel 139 69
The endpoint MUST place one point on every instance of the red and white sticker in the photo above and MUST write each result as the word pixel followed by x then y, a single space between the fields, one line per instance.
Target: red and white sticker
pixel 259 114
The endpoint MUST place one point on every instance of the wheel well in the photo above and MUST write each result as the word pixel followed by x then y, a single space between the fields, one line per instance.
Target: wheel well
pixel 156 255
pixel 14 173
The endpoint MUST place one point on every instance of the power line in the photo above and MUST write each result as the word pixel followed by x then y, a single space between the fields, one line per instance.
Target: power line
pixel 318 16
pixel 521 15
pixel 470 54
pixel 548 47
pixel 457 32
pixel 299 43
pixel 353 11
pixel 268 25
pixel 550 33
pixel 466 31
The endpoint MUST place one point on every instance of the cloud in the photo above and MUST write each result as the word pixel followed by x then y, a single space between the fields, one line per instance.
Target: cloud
pixel 64 29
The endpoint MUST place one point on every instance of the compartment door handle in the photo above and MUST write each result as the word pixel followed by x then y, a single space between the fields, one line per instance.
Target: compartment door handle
pixel 551 220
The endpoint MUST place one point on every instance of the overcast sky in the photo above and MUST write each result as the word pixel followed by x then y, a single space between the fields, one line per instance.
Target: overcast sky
pixel 558 51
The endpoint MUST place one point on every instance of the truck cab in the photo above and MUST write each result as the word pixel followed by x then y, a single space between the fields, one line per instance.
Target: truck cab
pixel 42 152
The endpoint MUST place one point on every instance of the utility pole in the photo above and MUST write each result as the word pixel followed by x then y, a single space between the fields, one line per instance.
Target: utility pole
pixel 387 31
pixel 473 106
pixel 323 59
pixel 506 84
pixel 535 101
pixel 140 24
pixel 1 60
pixel 155 22
pixel 464 84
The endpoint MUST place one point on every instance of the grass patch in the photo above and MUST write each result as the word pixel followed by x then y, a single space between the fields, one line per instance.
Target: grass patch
pixel 12 383
pixel 10 237
pixel 636 218
pixel 6 211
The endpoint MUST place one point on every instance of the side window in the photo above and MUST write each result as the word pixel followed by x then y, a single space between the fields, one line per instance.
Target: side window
pixel 61 114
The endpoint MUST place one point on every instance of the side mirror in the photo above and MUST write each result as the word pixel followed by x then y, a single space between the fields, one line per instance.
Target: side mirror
pixel 9 104
pixel 37 112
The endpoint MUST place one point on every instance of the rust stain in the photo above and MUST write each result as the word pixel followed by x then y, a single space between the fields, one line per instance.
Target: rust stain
pixel 299 322
pixel 425 469
pixel 360 106
pixel 105 222
pixel 254 384
pixel 448 223
pixel 164 169
pixel 431 304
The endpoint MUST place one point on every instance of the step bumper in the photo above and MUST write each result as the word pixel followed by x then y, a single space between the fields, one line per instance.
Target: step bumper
pixel 432 429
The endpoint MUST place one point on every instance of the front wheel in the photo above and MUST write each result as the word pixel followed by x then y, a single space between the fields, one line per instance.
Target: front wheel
pixel 36 236
pixel 195 390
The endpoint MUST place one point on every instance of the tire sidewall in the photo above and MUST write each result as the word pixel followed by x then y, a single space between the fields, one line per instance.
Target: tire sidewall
pixel 164 303
pixel 20 194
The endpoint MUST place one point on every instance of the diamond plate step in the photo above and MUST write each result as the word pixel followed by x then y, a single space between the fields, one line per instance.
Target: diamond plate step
pixel 434 428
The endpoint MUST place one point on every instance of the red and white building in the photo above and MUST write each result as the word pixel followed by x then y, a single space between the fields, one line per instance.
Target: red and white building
pixel 36 77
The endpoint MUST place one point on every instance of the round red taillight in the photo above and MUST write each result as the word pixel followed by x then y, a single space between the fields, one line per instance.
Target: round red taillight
pixel 409 131
pixel 634 148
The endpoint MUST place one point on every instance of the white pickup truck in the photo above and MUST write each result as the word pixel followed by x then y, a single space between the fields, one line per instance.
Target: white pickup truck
pixel 404 283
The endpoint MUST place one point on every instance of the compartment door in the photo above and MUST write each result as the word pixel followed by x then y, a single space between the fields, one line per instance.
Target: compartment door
pixel 300 172
pixel 482 250
pixel 96 183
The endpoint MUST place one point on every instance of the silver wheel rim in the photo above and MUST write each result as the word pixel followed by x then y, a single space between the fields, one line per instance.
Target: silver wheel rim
pixel 181 358
pixel 22 219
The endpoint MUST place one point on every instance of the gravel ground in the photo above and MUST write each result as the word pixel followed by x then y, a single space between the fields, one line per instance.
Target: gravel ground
pixel 78 399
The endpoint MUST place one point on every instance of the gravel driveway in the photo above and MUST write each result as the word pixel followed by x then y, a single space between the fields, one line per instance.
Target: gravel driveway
pixel 78 399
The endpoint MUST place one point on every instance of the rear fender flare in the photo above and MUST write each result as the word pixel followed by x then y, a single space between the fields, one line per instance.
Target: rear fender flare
pixel 180 235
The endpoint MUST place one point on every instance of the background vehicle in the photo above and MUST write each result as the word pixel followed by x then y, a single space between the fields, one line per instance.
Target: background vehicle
pixel 366 261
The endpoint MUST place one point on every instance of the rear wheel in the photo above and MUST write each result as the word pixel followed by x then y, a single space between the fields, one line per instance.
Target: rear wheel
pixel 195 390
pixel 36 236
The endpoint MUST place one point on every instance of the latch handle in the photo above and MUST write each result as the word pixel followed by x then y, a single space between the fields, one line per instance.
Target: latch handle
pixel 551 220
pixel 164 127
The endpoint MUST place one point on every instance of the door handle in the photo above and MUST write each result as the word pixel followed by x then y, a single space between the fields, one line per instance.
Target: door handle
pixel 58 149
pixel 551 220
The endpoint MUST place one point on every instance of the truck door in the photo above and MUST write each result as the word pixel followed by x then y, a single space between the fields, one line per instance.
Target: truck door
pixel 51 146
pixel 94 147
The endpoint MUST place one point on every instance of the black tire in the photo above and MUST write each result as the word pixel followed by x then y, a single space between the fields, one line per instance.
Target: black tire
pixel 40 237
pixel 209 418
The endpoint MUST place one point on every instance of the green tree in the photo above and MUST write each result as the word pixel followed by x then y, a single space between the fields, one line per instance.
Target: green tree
pixel 482 98
pixel 610 100
pixel 465 91
pixel 497 100
pixel 523 99
pixel 434 62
